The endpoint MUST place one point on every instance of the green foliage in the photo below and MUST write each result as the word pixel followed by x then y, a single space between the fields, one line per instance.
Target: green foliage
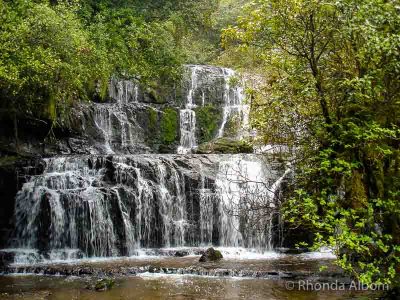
pixel 153 119
pixel 207 118
pixel 55 53
pixel 225 146
pixel 45 57
pixel 331 89
pixel 169 126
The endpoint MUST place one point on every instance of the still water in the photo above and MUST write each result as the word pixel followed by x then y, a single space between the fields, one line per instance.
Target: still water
pixel 158 286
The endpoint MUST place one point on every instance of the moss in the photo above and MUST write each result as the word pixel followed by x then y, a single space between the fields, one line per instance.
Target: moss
pixel 207 118
pixel 225 145
pixel 232 126
pixel 52 108
pixel 158 92
pixel 211 255
pixel 169 126
pixel 153 118
pixel 101 285
pixel 358 193
pixel 8 160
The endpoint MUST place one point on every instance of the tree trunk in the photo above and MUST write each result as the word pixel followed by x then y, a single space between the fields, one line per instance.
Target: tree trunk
pixel 16 133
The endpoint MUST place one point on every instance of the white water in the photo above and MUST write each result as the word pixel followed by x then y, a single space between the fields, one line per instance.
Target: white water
pixel 147 205
pixel 188 117
pixel 112 119
pixel 75 256
pixel 247 203
pixel 235 111
pixel 234 106
pixel 100 207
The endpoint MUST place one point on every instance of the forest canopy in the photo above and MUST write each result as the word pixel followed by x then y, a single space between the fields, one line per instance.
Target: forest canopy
pixel 54 53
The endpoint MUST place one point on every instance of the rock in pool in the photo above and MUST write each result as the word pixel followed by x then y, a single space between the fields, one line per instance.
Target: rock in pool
pixel 211 255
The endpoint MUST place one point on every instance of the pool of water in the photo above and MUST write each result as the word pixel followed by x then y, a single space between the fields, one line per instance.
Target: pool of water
pixel 148 286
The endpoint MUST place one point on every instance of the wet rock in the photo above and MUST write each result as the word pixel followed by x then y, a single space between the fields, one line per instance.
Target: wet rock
pixel 181 253
pixel 101 285
pixel 225 146
pixel 6 258
pixel 211 255
pixel 292 250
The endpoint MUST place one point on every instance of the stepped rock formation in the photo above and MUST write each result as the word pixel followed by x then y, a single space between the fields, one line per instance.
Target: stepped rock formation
pixel 101 191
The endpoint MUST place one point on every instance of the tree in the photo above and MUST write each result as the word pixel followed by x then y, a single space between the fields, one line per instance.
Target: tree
pixel 45 59
pixel 332 91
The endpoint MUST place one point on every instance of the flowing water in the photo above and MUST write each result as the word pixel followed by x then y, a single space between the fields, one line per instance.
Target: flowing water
pixel 113 119
pixel 202 91
pixel 115 205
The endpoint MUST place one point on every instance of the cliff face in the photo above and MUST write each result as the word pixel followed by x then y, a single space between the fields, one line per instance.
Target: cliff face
pixel 207 104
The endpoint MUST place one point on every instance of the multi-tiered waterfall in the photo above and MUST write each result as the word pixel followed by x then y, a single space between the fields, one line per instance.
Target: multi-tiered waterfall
pixel 109 204
pixel 201 90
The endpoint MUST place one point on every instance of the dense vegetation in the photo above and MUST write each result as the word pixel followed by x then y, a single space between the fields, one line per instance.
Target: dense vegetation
pixel 328 86
pixel 54 53
pixel 331 90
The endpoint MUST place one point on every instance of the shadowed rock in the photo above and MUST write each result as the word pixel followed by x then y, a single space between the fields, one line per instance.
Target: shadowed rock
pixel 211 255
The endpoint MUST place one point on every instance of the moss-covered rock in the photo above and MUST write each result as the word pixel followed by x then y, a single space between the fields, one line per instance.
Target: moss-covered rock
pixel 153 119
pixel 225 145
pixel 169 126
pixel 211 255
pixel 207 119
pixel 232 126
pixel 101 285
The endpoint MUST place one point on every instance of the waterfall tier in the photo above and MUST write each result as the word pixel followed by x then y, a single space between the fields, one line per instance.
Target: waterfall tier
pixel 212 90
pixel 115 205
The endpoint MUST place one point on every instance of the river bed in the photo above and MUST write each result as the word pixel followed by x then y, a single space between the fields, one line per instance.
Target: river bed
pixel 154 286
pixel 240 275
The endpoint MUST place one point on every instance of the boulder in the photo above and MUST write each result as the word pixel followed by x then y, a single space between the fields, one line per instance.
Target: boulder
pixel 101 285
pixel 211 255
pixel 181 253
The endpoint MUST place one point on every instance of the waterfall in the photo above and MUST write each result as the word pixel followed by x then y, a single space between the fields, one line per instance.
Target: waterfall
pixel 234 106
pixel 112 119
pixel 247 203
pixel 123 91
pixel 116 205
pixel 212 85
pixel 188 117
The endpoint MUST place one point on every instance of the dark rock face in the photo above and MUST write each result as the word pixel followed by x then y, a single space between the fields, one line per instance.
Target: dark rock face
pixel 14 172
pixel 112 205
pixel 181 253
pixel 211 255
pixel 210 84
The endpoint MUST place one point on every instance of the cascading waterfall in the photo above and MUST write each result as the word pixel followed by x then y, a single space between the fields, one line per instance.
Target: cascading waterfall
pixel 116 205
pixel 123 91
pixel 112 119
pixel 188 117
pixel 234 106
pixel 102 220
pixel 247 203
pixel 201 89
